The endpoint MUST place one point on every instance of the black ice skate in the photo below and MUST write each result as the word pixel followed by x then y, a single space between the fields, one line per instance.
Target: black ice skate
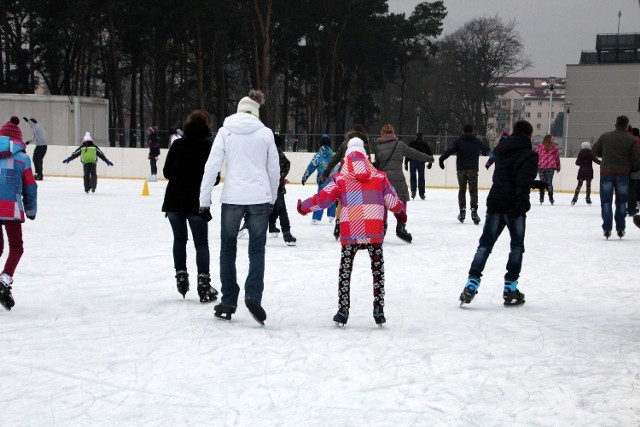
pixel 256 310
pixel 273 230
pixel 474 216
pixel 513 298
pixel 607 234
pixel 6 299
pixel 341 317
pixel 378 316
pixel 206 292
pixel 470 290
pixel 288 238
pixel 223 312
pixel 336 230
pixel 182 278
pixel 403 234
pixel 620 233
pixel 462 215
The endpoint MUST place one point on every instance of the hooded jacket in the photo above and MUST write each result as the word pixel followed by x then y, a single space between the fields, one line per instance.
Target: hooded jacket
pixel 18 191
pixel 515 169
pixel 319 162
pixel 252 172
pixel 467 149
pixel 548 159
pixel 364 193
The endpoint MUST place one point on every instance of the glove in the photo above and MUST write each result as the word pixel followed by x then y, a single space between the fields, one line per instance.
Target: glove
pixel 109 163
pixel 429 165
pixel 65 161
pixel 539 185
pixel 26 120
pixel 441 162
pixel 205 213
pixel 217 180
pixel 303 181
pixel 31 217
pixel 515 212
pixel 299 208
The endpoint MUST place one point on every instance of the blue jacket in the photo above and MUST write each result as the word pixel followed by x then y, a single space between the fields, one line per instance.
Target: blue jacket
pixel 319 162
pixel 18 188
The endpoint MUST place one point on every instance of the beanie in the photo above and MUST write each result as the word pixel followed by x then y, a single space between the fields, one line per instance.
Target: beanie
pixel 586 144
pixel 87 137
pixel 11 129
pixel 355 145
pixel 251 104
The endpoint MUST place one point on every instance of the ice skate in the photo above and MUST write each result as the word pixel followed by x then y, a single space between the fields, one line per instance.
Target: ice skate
pixel 607 234
pixel 224 312
pixel 336 230
pixel 273 230
pixel 182 279
pixel 620 233
pixel 341 317
pixel 474 216
pixel 470 290
pixel 288 238
pixel 378 316
pixel 403 234
pixel 256 310
pixel 206 292
pixel 462 215
pixel 511 294
pixel 6 298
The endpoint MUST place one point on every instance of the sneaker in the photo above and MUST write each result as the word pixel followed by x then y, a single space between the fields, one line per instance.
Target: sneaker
pixel 6 298
pixel 244 230
pixel 462 215
pixel 336 229
pixel 470 290
pixel 273 230
pixel 620 233
pixel 378 316
pixel 607 234
pixel 403 234
pixel 182 282
pixel 513 297
pixel 288 238
pixel 206 292
pixel 474 216
pixel 256 310
pixel 224 312
pixel 341 317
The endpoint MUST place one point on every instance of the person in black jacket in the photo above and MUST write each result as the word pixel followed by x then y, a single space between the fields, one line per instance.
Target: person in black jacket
pixel 279 207
pixel 89 154
pixel 507 204
pixel 417 167
pixel 468 149
pixel 184 168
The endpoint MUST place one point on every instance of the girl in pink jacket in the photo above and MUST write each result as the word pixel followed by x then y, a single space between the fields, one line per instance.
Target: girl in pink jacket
pixel 548 163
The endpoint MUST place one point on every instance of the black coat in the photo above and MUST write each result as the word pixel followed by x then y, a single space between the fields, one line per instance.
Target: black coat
pixel 515 169
pixel 184 168
pixel 467 149
pixel 422 147
pixel 585 160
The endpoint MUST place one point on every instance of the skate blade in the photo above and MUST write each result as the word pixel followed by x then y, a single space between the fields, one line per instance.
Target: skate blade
pixel 256 319
pixel 514 304
pixel 291 243
pixel 273 235
pixel 340 325
pixel 225 317
pixel 6 307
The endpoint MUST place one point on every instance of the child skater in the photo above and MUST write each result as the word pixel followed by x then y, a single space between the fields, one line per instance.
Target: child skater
pixel 585 160
pixel 18 199
pixel 90 153
pixel 319 163
pixel 364 193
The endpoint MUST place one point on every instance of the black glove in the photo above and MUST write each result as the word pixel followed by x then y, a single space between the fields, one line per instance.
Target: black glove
pixel 516 212
pixel 441 162
pixel 31 217
pixel 65 161
pixel 26 120
pixel 205 213
pixel 109 163
pixel 217 180
pixel 540 185
pixel 429 165
pixel 303 182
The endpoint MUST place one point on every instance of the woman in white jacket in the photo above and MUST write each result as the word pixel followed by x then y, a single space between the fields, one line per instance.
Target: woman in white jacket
pixel 252 174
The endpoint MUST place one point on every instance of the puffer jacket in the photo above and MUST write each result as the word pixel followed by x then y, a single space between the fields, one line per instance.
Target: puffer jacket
pixel 391 164
pixel 585 161
pixel 18 190
pixel 319 163
pixel 358 181
pixel 548 159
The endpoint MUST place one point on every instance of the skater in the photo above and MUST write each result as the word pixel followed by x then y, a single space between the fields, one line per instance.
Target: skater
pixel 633 204
pixel 319 163
pixel 619 152
pixel 548 163
pixel 416 173
pixel 184 168
pixel 248 150
pixel 18 199
pixel 154 153
pixel 467 149
pixel 40 141
pixel 492 156
pixel 507 206
pixel 365 194
pixel 89 154
pixel 280 208
pixel 585 161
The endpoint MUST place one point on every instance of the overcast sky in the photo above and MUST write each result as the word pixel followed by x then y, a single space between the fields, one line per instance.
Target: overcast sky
pixel 553 32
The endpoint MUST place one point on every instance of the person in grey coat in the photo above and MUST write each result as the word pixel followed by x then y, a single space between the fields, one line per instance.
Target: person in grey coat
pixel 390 153
pixel 40 141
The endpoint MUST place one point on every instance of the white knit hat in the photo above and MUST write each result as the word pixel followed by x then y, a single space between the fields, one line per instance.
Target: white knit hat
pixel 355 144
pixel 87 137
pixel 586 144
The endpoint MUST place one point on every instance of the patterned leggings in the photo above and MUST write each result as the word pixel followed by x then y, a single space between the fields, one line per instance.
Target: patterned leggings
pixel 546 176
pixel 377 269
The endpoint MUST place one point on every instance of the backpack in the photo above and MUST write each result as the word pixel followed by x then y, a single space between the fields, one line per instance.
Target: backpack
pixel 88 155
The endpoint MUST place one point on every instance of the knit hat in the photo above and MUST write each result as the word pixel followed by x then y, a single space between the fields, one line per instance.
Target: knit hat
pixel 251 104
pixel 504 135
pixel 355 144
pixel 87 137
pixel 586 144
pixel 325 140
pixel 11 129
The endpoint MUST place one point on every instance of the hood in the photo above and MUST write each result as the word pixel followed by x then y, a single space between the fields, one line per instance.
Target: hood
pixel 242 123
pixel 10 146
pixel 325 151
pixel 387 137
pixel 514 143
pixel 356 166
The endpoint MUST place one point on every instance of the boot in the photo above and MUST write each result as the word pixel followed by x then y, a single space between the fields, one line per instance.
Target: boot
pixel 341 317
pixel 511 294
pixel 462 214
pixel 402 233
pixel 474 216
pixel 6 298
pixel 588 200
pixel 336 230
pixel 288 238
pixel 470 290
pixel 182 282
pixel 206 292
pixel 378 316
pixel 541 196
pixel 551 198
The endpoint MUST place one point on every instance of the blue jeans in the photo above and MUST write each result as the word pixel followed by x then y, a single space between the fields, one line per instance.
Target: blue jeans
pixel 493 226
pixel 331 210
pixel 609 184
pixel 257 220
pixel 200 232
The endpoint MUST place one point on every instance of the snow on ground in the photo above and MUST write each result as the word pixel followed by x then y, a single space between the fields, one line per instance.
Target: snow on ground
pixel 100 336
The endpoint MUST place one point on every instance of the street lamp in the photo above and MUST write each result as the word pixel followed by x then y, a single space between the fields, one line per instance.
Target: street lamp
pixel 567 106
pixel 418 110
pixel 552 81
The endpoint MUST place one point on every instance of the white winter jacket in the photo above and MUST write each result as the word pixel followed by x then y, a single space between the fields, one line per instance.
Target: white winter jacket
pixel 252 167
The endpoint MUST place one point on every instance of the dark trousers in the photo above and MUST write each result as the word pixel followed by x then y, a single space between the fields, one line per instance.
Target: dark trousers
pixel 634 196
pixel 377 270
pixel 280 211
pixel 416 169
pixel 154 168
pixel 199 232
pixel 16 248
pixel 470 177
pixel 38 156
pixel 90 176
